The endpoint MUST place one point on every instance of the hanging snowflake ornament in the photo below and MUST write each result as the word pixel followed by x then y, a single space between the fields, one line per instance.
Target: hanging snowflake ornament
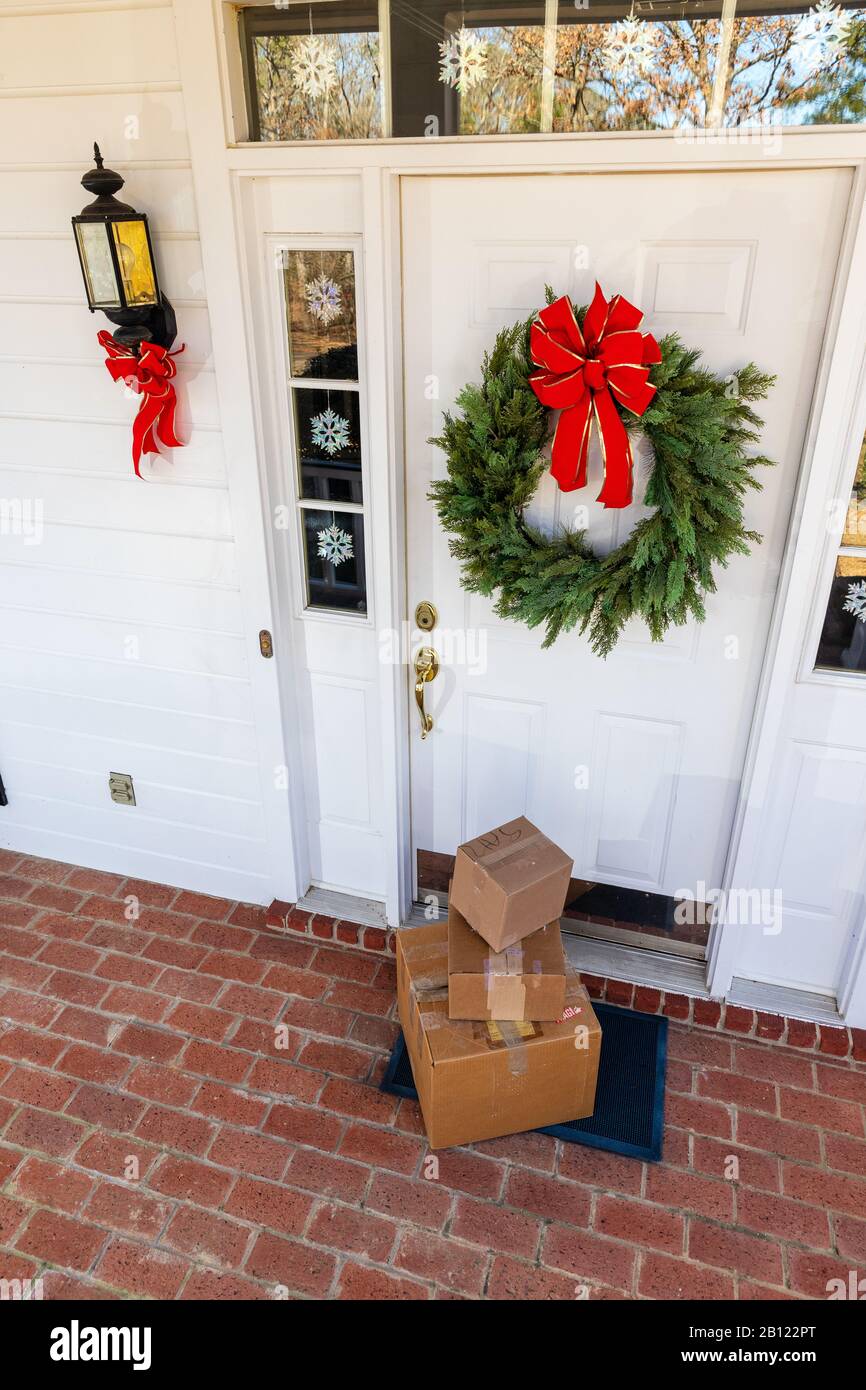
pixel 855 600
pixel 335 545
pixel 820 34
pixel 324 299
pixel 314 67
pixel 630 47
pixel 330 431
pixel 463 60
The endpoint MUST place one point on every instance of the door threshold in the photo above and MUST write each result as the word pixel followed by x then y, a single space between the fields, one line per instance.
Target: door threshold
pixel 677 975
pixel 656 969
pixel 660 970
pixel 421 914
pixel 645 941
pixel 673 974
pixel 344 907
pixel 781 999
pixel 627 931
pixel 435 909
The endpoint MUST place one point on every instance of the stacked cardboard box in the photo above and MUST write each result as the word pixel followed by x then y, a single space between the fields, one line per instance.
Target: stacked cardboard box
pixel 501 1033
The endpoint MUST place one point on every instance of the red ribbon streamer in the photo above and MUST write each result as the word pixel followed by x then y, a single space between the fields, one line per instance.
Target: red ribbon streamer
pixel 149 374
pixel 585 372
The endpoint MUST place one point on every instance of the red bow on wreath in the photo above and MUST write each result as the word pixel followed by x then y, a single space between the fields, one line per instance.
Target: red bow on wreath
pixel 148 373
pixel 584 373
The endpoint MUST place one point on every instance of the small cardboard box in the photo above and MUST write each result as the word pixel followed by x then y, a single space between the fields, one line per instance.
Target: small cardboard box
pixel 510 882
pixel 524 983
pixel 481 1080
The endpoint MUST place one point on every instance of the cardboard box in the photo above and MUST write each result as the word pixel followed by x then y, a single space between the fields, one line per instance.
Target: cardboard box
pixel 510 882
pixel 524 983
pixel 481 1080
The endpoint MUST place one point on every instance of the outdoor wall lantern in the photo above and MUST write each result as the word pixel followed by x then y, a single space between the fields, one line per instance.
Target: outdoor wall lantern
pixel 117 264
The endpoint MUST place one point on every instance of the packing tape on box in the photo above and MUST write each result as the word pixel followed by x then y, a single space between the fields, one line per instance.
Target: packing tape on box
pixel 431 1007
pixel 431 1013
pixel 428 983
pixel 514 1035
pixel 506 996
pixel 413 950
pixel 436 976
pixel 506 992
pixel 430 996
pixel 508 962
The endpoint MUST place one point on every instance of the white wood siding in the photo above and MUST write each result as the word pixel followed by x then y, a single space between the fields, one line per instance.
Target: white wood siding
pixel 123 641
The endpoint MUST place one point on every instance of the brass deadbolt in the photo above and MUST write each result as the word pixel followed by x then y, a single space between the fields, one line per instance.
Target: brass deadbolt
pixel 426 616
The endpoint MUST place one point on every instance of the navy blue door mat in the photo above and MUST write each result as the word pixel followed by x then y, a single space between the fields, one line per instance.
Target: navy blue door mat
pixel 630 1096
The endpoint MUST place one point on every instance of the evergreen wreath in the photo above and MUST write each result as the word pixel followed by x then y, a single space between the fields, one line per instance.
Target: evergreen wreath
pixel 699 429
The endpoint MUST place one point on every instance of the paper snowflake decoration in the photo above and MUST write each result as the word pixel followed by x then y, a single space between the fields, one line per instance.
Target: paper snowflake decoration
pixel 855 600
pixel 821 33
pixel 324 299
pixel 463 61
pixel 335 545
pixel 313 64
pixel 330 431
pixel 630 47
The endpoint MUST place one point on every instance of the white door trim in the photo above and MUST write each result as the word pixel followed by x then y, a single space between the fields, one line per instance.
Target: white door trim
pixel 845 466
pixel 829 436
pixel 810 147
pixel 384 352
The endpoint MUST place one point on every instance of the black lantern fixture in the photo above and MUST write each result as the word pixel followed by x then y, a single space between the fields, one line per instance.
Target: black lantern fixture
pixel 116 256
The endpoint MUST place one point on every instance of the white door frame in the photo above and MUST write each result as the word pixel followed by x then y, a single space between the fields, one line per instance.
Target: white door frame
pixel 834 435
pixel 219 168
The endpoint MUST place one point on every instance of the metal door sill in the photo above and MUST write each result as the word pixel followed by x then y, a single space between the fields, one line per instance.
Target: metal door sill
pixel 656 969
pixel 674 974
pixel 644 941
pixel 344 907
pixel 677 975
pixel 781 999
pixel 421 914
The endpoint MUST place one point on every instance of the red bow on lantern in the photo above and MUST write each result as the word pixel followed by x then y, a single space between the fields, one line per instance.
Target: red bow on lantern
pixel 584 372
pixel 148 373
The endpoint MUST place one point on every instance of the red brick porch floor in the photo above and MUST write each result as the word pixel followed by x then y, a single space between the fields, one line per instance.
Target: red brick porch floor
pixel 156 1141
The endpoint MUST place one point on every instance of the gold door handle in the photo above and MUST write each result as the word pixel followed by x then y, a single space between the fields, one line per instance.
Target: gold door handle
pixel 426 669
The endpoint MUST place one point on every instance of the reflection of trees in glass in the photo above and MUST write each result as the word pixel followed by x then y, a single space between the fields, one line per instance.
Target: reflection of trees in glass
pixel 768 76
pixel 588 95
pixel 507 100
pixel 351 110
pixel 860 475
pixel 767 73
pixel 854 530
pixel 322 349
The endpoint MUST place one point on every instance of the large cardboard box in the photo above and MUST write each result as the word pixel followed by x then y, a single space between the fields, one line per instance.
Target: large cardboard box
pixel 524 983
pixel 482 1080
pixel 510 882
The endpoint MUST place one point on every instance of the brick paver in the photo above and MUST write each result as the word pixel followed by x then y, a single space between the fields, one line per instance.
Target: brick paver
pixel 189 1109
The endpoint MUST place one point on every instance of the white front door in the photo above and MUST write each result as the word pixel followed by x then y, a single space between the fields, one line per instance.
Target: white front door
pixel 632 763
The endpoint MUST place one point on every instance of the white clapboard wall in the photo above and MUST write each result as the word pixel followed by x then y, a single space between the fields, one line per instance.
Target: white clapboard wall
pixel 121 636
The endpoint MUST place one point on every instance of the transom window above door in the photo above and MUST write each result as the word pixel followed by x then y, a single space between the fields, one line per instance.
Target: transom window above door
pixel 365 69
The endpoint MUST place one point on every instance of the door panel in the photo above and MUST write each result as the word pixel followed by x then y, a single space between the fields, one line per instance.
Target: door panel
pixel 633 763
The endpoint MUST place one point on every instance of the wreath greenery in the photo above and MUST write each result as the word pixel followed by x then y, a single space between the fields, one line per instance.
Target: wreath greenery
pixel 699 427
